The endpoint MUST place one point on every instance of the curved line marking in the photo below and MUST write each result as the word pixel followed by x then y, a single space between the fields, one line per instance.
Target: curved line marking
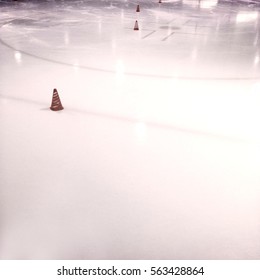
pixel 129 73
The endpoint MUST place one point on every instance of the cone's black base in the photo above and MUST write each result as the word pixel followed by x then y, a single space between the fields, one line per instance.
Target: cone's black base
pixel 56 109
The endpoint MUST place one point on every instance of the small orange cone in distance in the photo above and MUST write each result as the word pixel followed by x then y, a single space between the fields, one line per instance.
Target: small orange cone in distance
pixel 136 26
pixel 138 9
pixel 56 103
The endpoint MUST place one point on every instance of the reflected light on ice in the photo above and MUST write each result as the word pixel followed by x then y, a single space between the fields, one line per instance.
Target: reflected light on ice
pixel 256 60
pixel 99 26
pixel 122 14
pixel 208 4
pixel 18 57
pixel 256 39
pixel 66 38
pixel 246 17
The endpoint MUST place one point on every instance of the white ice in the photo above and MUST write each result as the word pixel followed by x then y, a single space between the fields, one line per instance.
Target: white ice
pixel 157 152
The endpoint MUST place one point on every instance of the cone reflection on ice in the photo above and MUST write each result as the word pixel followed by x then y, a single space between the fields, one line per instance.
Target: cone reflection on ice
pixel 138 8
pixel 56 103
pixel 136 26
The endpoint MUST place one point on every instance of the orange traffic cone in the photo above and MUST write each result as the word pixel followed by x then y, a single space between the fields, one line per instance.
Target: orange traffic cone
pixel 56 103
pixel 138 8
pixel 136 26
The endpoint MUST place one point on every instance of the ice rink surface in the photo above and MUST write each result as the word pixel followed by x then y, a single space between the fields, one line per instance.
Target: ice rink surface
pixel 157 152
